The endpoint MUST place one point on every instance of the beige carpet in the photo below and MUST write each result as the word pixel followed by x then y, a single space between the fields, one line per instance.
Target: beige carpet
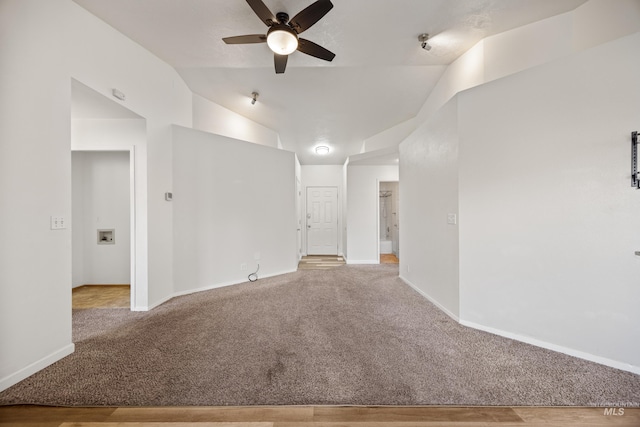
pixel 351 335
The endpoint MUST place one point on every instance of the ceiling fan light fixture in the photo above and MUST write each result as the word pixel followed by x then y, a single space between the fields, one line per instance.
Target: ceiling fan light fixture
pixel 322 150
pixel 282 40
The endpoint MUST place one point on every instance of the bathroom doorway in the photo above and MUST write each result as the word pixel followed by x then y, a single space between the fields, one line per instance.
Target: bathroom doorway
pixel 389 229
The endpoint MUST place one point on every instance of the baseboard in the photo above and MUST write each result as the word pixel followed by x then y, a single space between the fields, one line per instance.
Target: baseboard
pixel 528 340
pixel 432 300
pixel 211 287
pixel 39 365
pixel 554 347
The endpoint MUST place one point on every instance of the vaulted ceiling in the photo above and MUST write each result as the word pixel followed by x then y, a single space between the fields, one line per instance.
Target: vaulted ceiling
pixel 379 78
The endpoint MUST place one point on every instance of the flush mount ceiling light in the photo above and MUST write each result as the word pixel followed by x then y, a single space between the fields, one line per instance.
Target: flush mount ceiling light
pixel 254 97
pixel 322 150
pixel 422 38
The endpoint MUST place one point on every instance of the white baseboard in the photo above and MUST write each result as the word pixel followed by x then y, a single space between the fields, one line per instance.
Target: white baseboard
pixel 210 287
pixel 432 300
pixel 31 369
pixel 533 341
pixel 554 347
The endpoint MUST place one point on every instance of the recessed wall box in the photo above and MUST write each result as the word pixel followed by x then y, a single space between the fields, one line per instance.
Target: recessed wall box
pixel 107 237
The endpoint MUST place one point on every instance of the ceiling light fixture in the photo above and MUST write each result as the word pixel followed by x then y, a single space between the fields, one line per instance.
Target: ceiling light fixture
pixel 282 40
pixel 422 38
pixel 254 97
pixel 322 150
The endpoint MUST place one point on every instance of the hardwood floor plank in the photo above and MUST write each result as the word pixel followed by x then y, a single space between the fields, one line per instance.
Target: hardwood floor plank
pixel 319 416
pixel 14 415
pixel 169 424
pixel 214 414
pixel 415 414
pixel 392 424
pixel 579 416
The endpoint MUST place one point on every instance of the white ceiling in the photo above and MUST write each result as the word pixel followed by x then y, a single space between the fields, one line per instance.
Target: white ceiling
pixel 379 78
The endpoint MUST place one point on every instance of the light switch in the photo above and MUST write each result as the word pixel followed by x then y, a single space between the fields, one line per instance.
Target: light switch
pixel 452 218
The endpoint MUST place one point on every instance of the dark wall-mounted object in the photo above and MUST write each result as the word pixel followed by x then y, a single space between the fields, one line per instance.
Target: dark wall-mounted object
pixel 635 180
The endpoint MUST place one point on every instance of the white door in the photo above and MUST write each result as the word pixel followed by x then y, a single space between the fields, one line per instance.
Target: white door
pixel 322 221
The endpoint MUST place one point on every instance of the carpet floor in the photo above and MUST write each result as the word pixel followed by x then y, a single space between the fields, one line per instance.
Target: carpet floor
pixel 352 335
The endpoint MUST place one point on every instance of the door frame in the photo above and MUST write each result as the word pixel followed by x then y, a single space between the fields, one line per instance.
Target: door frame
pixel 378 216
pixel 132 211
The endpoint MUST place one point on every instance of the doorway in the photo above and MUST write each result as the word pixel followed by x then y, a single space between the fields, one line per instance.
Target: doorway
pixel 102 244
pixel 389 224
pixel 322 221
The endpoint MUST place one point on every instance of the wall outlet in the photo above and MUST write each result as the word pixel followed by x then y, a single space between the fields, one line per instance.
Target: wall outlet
pixel 452 218
pixel 58 223
pixel 243 267
pixel 256 256
pixel 408 269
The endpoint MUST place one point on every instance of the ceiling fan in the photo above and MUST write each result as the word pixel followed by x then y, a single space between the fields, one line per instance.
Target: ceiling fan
pixel 282 36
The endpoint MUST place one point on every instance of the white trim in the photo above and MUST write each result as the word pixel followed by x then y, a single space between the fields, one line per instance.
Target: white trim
pixel 432 300
pixel 554 347
pixel 31 369
pixel 208 288
pixel 529 340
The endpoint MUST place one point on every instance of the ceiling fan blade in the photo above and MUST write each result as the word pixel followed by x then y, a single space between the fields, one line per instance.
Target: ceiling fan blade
pixel 310 15
pixel 249 38
pixel 280 62
pixel 310 48
pixel 263 12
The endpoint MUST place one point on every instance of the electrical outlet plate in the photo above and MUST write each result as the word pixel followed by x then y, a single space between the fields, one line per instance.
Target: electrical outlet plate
pixel 58 223
pixel 452 218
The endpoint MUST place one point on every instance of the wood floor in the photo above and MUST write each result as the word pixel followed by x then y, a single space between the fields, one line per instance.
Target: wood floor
pixel 389 259
pixel 101 296
pixel 316 416
pixel 320 262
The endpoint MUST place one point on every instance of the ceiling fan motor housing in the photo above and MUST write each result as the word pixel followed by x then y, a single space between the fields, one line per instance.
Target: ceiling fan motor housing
pixel 282 17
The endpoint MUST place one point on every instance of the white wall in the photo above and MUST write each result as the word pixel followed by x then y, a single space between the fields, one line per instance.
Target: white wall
pixel 548 220
pixel 232 200
pixel 322 176
pixel 572 319
pixel 44 46
pixel 213 118
pixel 593 23
pixel 428 193
pixel 100 188
pixel 362 211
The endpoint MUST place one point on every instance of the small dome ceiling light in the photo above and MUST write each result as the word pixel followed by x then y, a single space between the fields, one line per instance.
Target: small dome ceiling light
pixel 322 150
pixel 281 39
